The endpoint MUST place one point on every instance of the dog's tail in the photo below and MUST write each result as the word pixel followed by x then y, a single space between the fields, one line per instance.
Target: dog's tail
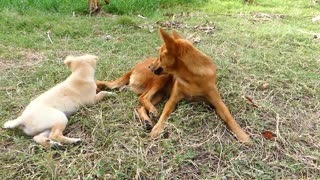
pixel 116 84
pixel 13 123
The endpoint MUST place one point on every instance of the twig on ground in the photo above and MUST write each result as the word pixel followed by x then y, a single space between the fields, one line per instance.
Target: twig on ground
pixel 7 88
pixel 48 34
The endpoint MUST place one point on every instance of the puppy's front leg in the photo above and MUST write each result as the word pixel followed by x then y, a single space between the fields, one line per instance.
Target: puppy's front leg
pixel 101 95
pixel 175 97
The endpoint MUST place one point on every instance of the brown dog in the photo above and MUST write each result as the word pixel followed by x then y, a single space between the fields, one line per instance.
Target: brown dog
pixel 94 6
pixel 182 72
pixel 150 87
pixel 194 76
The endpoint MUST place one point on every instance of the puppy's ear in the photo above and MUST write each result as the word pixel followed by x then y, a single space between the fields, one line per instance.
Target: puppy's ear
pixel 68 61
pixel 93 57
pixel 176 35
pixel 168 40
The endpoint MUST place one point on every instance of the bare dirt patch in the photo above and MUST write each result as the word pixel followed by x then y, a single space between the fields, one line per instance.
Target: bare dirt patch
pixel 20 58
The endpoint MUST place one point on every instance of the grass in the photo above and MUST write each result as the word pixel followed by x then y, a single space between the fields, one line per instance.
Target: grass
pixel 249 50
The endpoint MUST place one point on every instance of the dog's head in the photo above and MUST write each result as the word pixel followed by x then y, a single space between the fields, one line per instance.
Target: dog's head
pixel 75 62
pixel 169 53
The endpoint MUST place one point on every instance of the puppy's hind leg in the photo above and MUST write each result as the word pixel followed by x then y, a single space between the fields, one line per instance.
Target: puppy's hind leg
pixel 59 124
pixel 43 139
pixel 13 123
pixel 57 135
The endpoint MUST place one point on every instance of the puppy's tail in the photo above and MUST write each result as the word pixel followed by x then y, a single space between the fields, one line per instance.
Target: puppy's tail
pixel 13 123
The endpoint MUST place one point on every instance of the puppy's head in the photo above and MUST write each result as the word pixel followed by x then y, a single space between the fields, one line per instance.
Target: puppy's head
pixel 169 53
pixel 75 62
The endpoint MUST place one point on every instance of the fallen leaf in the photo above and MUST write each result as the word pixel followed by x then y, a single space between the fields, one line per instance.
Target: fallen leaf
pixel 170 24
pixel 207 27
pixel 250 101
pixel 268 135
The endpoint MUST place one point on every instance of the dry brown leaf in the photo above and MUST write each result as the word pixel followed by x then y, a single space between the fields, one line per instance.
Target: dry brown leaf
pixel 268 135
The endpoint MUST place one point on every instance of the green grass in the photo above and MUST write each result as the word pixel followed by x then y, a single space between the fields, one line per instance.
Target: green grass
pixel 249 51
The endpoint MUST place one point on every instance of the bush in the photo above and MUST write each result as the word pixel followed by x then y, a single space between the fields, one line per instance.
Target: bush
pixel 61 6
pixel 145 7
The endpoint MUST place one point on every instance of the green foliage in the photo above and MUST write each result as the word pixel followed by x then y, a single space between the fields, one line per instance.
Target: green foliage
pixel 128 7
pixel 52 6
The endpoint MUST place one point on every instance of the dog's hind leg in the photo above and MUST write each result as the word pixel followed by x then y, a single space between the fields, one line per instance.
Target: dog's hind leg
pixel 215 100
pixel 153 96
pixel 13 123
pixel 118 83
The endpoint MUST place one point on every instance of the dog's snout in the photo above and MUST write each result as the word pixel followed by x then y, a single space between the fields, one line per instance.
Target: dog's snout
pixel 158 71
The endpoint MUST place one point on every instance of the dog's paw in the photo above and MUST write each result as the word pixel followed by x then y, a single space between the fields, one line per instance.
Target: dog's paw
pixel 100 85
pixel 153 114
pixel 156 130
pixel 245 139
pixel 77 141
pixel 147 125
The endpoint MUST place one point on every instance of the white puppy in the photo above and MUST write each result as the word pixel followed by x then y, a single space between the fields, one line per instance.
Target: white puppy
pixel 45 117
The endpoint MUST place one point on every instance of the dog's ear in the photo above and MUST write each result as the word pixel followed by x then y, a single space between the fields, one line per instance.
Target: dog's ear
pixel 168 40
pixel 68 61
pixel 176 35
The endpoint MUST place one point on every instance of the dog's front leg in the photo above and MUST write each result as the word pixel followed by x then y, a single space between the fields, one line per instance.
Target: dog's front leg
pixel 175 97
pixel 215 100
pixel 101 95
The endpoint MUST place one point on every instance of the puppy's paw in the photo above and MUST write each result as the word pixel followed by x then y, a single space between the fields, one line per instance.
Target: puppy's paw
pixel 110 93
pixel 56 145
pixel 124 88
pixel 106 93
pixel 6 125
pixel 157 130
pixel 10 124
